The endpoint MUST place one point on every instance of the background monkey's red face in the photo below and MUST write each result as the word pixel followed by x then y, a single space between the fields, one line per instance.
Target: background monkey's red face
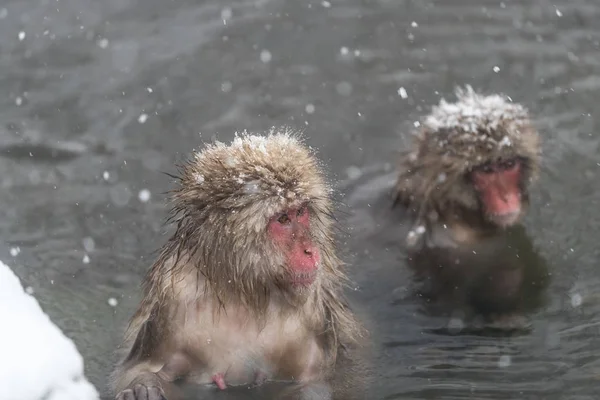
pixel 498 185
pixel 290 230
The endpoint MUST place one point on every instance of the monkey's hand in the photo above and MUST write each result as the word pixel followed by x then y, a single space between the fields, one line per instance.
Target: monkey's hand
pixel 142 392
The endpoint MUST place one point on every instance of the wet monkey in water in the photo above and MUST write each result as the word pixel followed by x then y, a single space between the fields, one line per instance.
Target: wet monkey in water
pixel 249 287
pixel 465 183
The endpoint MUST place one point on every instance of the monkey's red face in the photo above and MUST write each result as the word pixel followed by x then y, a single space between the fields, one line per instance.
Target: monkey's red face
pixel 498 185
pixel 290 230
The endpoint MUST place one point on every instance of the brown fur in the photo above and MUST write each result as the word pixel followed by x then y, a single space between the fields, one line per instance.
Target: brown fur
pixel 217 278
pixel 454 139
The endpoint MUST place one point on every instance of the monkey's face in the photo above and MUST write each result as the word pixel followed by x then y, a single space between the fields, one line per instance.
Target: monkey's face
pixel 499 186
pixel 290 232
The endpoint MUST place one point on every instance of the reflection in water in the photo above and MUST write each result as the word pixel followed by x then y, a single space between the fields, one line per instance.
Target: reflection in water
pixel 498 278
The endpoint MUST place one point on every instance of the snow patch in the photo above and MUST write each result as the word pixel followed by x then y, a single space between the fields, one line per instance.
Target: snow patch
pixel 40 361
pixel 505 141
pixel 474 113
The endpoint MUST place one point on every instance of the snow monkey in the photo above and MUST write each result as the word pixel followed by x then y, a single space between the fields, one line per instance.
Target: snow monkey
pixel 466 185
pixel 249 287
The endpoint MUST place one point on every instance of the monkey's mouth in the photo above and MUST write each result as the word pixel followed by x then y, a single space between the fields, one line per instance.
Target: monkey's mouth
pixel 506 219
pixel 303 278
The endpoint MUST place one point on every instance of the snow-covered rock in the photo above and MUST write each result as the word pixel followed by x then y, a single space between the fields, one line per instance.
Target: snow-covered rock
pixel 38 360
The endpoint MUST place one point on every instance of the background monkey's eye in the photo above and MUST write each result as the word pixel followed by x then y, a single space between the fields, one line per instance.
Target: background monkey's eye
pixel 508 164
pixel 284 219
pixel 486 168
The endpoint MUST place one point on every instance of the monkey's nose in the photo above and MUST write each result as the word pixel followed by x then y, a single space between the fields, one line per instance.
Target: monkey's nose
pixel 308 252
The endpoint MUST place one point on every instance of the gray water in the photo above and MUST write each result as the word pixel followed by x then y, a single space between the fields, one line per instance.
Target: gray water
pixel 76 150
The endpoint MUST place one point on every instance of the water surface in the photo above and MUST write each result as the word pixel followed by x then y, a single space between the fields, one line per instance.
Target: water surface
pixel 100 98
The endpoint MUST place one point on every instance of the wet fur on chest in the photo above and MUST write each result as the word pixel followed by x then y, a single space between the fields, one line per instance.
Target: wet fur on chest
pixel 245 347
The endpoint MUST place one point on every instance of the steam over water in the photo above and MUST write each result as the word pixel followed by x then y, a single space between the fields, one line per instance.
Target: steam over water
pixel 101 97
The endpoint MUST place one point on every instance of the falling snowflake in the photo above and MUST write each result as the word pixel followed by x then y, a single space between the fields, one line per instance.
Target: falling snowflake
pixel 144 195
pixel 142 118
pixel 504 361
pixel 353 172
pixel 265 56
pixel 226 87
pixel 226 13
pixel 402 93
pixel 576 300
pixel 88 244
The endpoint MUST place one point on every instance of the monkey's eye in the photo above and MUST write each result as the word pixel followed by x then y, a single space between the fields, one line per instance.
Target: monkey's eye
pixel 284 219
pixel 301 211
pixel 486 168
pixel 508 164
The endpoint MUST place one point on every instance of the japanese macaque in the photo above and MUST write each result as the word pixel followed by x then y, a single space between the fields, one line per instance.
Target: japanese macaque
pixel 249 288
pixel 466 185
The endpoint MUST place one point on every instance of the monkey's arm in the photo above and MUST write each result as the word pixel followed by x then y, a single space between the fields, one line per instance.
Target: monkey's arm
pixel 150 365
